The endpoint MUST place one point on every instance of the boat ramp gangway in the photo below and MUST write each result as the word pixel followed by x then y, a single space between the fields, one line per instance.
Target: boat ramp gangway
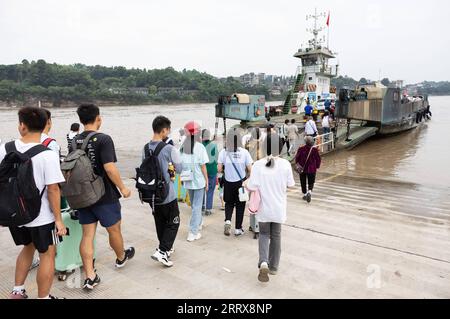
pixel 325 143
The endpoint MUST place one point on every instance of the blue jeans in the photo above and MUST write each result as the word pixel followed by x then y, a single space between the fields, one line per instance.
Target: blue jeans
pixel 196 197
pixel 210 194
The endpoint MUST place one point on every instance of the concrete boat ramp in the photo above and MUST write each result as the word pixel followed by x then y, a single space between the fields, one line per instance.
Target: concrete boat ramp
pixel 359 238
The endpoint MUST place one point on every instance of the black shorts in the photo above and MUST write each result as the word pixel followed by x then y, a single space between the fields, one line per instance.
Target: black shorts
pixel 41 236
pixel 231 191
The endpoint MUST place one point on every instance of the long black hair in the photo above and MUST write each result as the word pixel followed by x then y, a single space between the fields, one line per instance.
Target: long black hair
pixel 189 144
pixel 234 140
pixel 272 146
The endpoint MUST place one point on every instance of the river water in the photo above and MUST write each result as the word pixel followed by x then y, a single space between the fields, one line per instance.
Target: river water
pixel 420 156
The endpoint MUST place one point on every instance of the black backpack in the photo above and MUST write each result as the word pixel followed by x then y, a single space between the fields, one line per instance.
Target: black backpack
pixel 150 181
pixel 20 199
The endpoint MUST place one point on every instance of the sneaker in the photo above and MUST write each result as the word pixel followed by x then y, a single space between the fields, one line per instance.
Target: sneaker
pixel 163 258
pixel 305 197
pixel 22 294
pixel 273 272
pixel 36 262
pixel 129 254
pixel 208 213
pixel 227 228
pixel 263 272
pixel 238 232
pixel 308 197
pixel 54 297
pixel 192 237
pixel 222 208
pixel 90 284
pixel 170 252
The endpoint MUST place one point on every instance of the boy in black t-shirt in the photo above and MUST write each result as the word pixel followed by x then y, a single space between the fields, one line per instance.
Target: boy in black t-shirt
pixel 107 210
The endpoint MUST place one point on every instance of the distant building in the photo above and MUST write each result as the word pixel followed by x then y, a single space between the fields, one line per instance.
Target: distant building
pixel 275 92
pixel 137 90
pixel 178 90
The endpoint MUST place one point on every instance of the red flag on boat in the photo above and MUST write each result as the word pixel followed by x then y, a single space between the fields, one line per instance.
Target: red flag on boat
pixel 328 20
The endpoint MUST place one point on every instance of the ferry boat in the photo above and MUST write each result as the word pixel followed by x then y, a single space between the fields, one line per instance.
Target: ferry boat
pixel 313 76
pixel 383 108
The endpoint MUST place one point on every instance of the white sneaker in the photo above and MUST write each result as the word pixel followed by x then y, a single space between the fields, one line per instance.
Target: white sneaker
pixel 238 232
pixel 163 258
pixel 36 262
pixel 192 237
pixel 170 252
pixel 263 272
pixel 227 228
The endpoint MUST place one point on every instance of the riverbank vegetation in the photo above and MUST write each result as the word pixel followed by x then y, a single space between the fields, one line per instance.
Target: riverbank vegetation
pixel 59 85
pixel 39 80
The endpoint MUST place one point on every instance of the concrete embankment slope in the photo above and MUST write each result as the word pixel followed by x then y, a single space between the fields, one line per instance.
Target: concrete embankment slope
pixel 358 239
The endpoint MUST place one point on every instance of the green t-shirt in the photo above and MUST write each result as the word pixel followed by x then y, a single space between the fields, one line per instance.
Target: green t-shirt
pixel 213 154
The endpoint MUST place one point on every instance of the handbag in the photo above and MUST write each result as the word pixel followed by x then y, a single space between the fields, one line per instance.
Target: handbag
pixel 243 193
pixel 186 176
pixel 300 168
pixel 254 202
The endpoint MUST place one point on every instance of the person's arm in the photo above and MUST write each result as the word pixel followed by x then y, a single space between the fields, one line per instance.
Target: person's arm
pixel 252 183
pixel 108 158
pixel 249 169
pixel 220 162
pixel 319 159
pixel 54 198
pixel 176 160
pixel 114 175
pixel 53 177
pixel 205 175
pixel 248 163
pixel 290 180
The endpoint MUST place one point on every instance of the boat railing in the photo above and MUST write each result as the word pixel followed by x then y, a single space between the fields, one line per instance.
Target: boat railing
pixel 325 142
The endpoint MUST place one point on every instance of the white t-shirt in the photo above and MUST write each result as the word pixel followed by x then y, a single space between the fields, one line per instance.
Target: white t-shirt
pixel 326 121
pixel 193 163
pixel 53 145
pixel 310 128
pixel 46 171
pixel 272 184
pixel 241 160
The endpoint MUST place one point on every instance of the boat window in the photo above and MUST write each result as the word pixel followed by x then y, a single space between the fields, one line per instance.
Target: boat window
pixel 396 96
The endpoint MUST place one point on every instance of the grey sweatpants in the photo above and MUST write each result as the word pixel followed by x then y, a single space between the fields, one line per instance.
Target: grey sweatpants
pixel 270 244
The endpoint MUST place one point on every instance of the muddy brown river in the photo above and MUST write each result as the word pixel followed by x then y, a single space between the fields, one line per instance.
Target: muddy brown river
pixel 420 156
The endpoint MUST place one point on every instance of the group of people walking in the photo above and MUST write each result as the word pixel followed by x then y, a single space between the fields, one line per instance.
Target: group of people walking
pixel 254 173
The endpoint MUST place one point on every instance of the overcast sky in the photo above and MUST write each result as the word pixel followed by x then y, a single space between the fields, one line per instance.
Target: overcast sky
pixel 405 39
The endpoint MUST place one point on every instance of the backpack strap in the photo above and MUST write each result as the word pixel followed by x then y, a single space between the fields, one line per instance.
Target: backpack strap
pixel 32 152
pixel 47 141
pixel 10 147
pixel 159 148
pixel 147 150
pixel 35 150
pixel 156 151
pixel 87 139
pixel 73 143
